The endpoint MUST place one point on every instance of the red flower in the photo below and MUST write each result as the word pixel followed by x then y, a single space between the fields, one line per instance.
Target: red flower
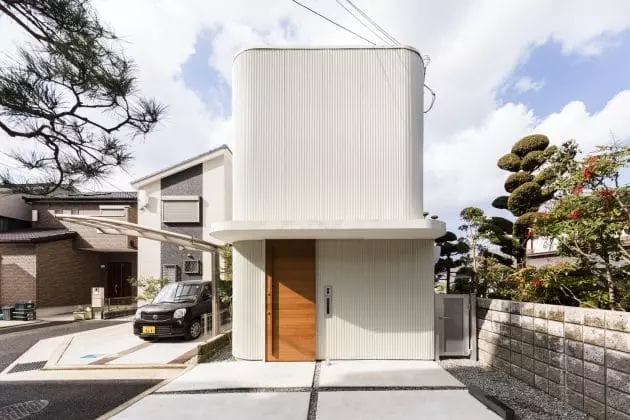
pixel 530 232
pixel 577 190
pixel 537 283
pixel 574 214
pixel 588 174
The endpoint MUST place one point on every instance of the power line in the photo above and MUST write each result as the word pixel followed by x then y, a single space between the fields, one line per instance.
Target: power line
pixel 375 33
pixel 333 22
pixel 390 38
pixel 369 19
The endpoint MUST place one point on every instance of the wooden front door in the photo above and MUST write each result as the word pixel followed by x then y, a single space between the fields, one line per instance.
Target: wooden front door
pixel 117 275
pixel 290 305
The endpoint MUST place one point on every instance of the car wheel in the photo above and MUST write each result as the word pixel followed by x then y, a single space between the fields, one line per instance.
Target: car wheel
pixel 194 329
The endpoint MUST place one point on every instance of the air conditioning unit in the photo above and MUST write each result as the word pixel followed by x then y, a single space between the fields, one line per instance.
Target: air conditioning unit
pixel 192 266
pixel 34 215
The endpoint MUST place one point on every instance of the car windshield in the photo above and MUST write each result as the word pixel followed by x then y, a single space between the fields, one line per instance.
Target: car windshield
pixel 178 292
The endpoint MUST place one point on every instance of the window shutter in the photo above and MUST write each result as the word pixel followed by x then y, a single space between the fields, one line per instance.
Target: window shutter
pixel 180 209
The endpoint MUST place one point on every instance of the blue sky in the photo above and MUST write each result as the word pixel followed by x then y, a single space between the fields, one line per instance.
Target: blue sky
pixel 593 80
pixel 205 80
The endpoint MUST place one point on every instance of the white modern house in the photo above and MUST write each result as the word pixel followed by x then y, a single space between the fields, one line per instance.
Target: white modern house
pixel 333 258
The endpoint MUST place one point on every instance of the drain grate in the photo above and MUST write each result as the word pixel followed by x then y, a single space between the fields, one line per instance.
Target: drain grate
pixel 22 410
pixel 25 367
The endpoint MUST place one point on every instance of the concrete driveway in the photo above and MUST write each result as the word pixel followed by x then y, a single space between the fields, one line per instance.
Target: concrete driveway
pixel 324 391
pixel 104 348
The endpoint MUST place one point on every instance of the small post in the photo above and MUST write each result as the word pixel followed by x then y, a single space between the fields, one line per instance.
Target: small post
pixel 473 326
pixel 216 277
pixel 205 324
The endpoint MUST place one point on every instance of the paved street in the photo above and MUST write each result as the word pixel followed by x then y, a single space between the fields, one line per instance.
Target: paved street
pixel 67 399
pixel 13 344
pixel 59 399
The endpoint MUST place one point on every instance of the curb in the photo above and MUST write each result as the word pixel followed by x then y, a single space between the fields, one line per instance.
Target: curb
pixel 115 367
pixel 140 396
pixel 492 403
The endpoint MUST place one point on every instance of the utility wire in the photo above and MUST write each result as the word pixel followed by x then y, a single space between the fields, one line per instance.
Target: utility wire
pixel 369 19
pixel 333 22
pixel 375 33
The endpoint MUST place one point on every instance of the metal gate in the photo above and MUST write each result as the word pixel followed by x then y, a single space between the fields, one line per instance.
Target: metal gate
pixel 455 334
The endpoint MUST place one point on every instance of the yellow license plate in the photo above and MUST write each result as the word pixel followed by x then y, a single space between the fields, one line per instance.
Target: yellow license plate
pixel 148 330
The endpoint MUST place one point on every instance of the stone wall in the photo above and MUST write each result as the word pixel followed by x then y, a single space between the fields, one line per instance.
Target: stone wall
pixel 578 355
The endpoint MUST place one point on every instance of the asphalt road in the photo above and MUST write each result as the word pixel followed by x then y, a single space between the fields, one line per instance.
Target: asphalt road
pixel 13 344
pixel 66 400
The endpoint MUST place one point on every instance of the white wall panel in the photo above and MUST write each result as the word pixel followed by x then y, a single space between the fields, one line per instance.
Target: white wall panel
pixel 382 305
pixel 248 323
pixel 214 202
pixel 328 134
pixel 149 251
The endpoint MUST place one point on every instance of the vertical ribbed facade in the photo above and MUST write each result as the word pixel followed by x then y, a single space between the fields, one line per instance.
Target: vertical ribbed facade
pixel 248 323
pixel 382 305
pixel 328 134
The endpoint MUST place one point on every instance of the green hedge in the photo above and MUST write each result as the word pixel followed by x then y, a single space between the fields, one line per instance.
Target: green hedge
pixel 533 160
pixel 509 162
pixel 524 198
pixel 516 180
pixel 500 202
pixel 529 144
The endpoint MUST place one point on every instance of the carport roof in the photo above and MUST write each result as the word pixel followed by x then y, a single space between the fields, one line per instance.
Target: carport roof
pixel 34 236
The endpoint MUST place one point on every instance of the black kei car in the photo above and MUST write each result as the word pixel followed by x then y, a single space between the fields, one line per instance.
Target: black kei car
pixel 176 311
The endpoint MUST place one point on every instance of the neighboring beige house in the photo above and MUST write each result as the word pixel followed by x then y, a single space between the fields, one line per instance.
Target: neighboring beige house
pixel 543 251
pixel 55 264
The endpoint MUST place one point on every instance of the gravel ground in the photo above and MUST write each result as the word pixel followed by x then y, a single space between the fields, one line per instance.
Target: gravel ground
pixel 225 355
pixel 527 402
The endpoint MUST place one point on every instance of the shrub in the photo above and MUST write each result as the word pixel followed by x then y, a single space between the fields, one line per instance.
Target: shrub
pixel 509 162
pixel 148 287
pixel 516 180
pixel 503 223
pixel 524 198
pixel 529 144
pixel 544 176
pixel 500 202
pixel 523 223
pixel 533 160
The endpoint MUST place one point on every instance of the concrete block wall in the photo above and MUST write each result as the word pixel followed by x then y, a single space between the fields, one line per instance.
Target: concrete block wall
pixel 578 355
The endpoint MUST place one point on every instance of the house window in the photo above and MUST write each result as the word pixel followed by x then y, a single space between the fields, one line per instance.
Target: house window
pixel 171 272
pixel 180 209
pixel 192 266
pixel 74 211
pixel 112 211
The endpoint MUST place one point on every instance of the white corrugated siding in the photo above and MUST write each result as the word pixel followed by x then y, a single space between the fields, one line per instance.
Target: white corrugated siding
pixel 248 324
pixel 382 304
pixel 328 134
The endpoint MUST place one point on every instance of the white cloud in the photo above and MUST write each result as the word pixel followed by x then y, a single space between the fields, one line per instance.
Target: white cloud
pixel 462 171
pixel 474 47
pixel 525 84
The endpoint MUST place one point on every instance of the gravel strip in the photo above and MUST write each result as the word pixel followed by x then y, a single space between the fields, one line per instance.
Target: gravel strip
pixel 224 355
pixel 527 402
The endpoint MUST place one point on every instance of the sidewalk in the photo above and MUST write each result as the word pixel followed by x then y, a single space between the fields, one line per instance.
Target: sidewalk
pixel 9 324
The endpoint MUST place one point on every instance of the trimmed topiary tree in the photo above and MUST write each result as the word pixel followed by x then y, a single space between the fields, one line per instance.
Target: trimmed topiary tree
pixel 451 249
pixel 528 188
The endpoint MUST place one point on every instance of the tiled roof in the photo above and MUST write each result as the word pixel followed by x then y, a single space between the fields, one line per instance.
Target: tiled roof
pixel 96 196
pixel 34 236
